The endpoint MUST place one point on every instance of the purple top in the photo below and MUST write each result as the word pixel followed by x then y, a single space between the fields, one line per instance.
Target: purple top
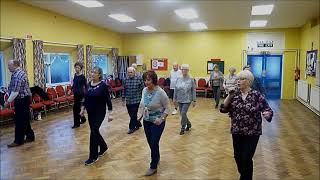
pixel 246 114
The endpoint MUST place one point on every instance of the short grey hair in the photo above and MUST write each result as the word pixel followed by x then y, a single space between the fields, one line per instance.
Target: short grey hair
pixel 246 74
pixel 132 68
pixel 134 65
pixel 184 66
pixel 232 68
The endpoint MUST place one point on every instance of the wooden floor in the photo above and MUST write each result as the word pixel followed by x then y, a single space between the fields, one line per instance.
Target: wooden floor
pixel 288 148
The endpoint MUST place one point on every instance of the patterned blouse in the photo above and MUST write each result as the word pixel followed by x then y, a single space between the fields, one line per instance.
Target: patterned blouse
pixel 246 114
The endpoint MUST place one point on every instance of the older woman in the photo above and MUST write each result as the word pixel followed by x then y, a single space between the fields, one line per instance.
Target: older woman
pixel 230 80
pixel 245 107
pixel 216 80
pixel 95 102
pixel 156 107
pixel 184 95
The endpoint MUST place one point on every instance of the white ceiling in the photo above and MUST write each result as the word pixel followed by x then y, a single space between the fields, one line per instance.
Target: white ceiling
pixel 216 14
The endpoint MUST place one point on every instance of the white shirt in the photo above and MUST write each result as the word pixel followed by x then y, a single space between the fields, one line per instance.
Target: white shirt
pixel 174 75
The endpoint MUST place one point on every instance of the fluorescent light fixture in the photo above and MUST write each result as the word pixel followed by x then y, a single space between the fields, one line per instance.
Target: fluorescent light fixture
pixel 146 28
pixel 186 13
pixel 122 17
pixel 88 4
pixel 262 9
pixel 198 26
pixel 258 23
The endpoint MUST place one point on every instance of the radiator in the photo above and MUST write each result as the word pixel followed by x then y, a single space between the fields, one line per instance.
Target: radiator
pixel 303 90
pixel 314 98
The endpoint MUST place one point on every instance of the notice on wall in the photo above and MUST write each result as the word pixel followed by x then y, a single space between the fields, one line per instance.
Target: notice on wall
pixel 160 64
pixel 264 41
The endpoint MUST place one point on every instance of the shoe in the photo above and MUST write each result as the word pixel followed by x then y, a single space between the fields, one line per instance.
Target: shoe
pixel 102 153
pixel 28 140
pixel 188 128
pixel 83 120
pixel 174 112
pixel 13 145
pixel 216 106
pixel 73 127
pixel 130 131
pixel 150 172
pixel 90 161
pixel 181 132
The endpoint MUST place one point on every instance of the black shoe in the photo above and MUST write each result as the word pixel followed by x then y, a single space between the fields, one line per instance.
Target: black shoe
pixel 139 125
pixel 14 145
pixel 102 153
pixel 83 120
pixel 73 127
pixel 130 131
pixel 90 161
pixel 181 132
pixel 28 140
pixel 188 128
pixel 216 106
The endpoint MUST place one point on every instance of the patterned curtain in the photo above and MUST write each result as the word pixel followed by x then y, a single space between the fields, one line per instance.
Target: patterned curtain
pixel 115 52
pixel 19 52
pixel 38 64
pixel 89 61
pixel 122 63
pixel 80 53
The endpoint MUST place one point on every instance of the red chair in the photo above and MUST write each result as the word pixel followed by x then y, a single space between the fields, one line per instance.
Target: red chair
pixel 36 105
pixel 114 87
pixel 201 88
pixel 54 97
pixel 9 111
pixel 70 96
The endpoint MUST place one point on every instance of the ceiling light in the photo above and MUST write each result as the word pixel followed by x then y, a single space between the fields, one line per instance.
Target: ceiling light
pixel 258 23
pixel 262 9
pixel 147 28
pixel 122 17
pixel 186 13
pixel 89 4
pixel 198 26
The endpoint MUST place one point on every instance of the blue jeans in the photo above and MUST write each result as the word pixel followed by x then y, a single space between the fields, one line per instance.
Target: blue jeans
pixel 153 133
pixel 183 108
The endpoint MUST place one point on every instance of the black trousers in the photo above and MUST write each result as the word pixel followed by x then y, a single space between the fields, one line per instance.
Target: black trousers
pixel 216 92
pixel 77 109
pixel 153 133
pixel 96 140
pixel 22 120
pixel 133 111
pixel 244 148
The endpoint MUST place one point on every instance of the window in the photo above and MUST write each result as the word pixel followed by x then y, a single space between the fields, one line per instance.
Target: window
pixel 2 70
pixel 101 60
pixel 57 67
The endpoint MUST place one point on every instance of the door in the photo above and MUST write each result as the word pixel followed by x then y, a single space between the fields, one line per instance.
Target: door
pixel 268 69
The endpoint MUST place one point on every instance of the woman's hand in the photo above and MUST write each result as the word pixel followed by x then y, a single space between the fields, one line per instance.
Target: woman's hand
pixel 266 114
pixel 194 104
pixel 82 111
pixel 158 121
pixel 110 118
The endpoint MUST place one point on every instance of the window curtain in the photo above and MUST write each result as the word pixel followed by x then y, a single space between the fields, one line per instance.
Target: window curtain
pixel 19 52
pixel 38 64
pixel 80 53
pixel 115 52
pixel 89 61
pixel 122 63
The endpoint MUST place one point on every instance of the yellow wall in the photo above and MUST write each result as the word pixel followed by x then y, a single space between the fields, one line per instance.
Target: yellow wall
pixel 196 48
pixel 19 19
pixel 308 35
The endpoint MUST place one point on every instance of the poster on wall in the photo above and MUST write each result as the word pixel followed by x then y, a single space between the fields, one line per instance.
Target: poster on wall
pixel 159 64
pixel 211 63
pixel 311 63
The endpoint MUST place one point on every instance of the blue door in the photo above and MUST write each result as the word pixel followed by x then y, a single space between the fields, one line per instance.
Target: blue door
pixel 268 69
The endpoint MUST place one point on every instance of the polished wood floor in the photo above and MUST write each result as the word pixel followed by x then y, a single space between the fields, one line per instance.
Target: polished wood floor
pixel 288 148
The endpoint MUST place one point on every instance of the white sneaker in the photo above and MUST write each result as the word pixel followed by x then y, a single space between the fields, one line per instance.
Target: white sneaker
pixel 174 112
pixel 39 117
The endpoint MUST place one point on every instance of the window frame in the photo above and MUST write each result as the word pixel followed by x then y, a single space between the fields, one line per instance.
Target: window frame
pixel 107 62
pixel 3 70
pixel 49 84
